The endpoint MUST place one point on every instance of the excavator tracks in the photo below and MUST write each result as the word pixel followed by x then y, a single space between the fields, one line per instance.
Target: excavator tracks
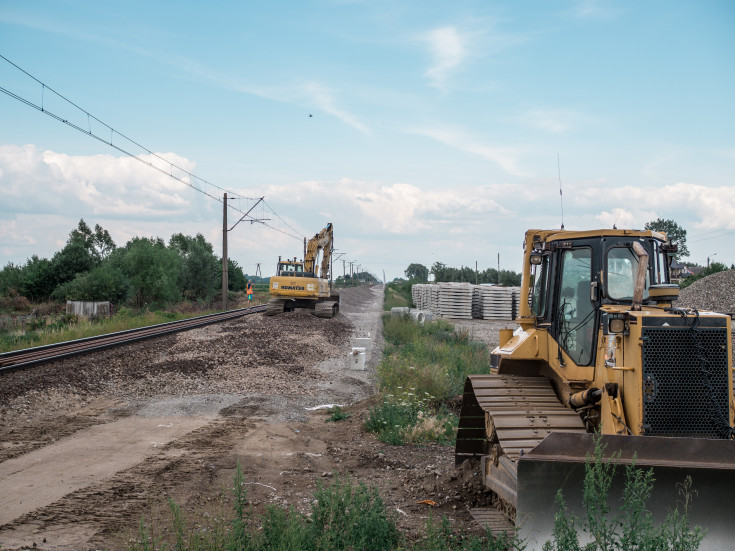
pixel 326 309
pixel 504 416
pixel 274 307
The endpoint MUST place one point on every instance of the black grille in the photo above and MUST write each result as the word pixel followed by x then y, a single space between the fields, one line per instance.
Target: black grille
pixel 677 398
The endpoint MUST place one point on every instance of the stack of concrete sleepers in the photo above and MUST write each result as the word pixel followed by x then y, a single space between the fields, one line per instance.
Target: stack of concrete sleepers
pixel 426 297
pixel 516 300
pixel 455 300
pixel 493 303
pixel 417 295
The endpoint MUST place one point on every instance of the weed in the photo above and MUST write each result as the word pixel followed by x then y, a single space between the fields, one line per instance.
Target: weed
pixel 346 516
pixel 337 414
pixel 439 537
pixel 630 527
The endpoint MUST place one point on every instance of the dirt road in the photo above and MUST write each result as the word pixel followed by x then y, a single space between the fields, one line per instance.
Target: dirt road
pixel 92 444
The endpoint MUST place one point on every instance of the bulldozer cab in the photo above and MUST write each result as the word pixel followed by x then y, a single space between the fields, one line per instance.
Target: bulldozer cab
pixel 573 278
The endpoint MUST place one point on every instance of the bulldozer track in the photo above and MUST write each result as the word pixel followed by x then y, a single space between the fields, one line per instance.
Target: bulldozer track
pixel 514 412
pixel 502 417
pixel 28 357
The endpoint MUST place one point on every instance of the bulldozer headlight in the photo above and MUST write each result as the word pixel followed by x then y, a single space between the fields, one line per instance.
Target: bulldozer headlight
pixel 536 259
pixel 616 325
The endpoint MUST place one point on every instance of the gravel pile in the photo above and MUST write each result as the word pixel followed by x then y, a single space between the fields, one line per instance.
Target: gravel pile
pixel 715 292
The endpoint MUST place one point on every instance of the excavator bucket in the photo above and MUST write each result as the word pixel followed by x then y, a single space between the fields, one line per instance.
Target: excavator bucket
pixel 558 463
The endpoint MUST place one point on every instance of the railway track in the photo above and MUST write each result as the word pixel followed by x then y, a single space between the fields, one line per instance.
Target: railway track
pixel 20 359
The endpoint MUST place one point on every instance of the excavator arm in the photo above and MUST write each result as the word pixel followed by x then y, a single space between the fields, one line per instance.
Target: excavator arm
pixel 320 242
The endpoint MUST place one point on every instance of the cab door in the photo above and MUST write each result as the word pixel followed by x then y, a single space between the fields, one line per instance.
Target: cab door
pixel 575 313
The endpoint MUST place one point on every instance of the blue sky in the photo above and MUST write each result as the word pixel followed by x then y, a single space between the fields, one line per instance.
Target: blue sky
pixel 435 133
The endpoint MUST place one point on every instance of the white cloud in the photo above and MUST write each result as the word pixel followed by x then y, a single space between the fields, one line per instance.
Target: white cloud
pixel 448 51
pixel 399 208
pixel 705 207
pixel 624 218
pixel 506 157
pixel 104 185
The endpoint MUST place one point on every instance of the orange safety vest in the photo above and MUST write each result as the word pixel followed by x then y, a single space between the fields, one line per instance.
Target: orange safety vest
pixel 250 289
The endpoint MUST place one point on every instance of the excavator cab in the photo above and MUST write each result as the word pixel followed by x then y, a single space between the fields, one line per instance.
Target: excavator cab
pixel 601 347
pixel 292 268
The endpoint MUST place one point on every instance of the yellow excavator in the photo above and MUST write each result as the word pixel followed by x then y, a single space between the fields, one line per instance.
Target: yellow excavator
pixel 297 284
pixel 603 348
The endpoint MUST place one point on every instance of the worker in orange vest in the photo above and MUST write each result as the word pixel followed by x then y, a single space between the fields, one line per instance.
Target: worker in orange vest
pixel 250 291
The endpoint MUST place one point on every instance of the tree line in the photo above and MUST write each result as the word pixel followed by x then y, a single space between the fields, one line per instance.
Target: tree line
pixel 442 272
pixel 143 272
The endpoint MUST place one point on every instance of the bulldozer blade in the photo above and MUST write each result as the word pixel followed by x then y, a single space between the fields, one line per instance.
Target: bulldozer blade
pixel 558 463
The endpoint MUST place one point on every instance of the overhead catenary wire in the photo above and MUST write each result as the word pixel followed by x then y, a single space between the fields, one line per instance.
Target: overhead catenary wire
pixel 168 167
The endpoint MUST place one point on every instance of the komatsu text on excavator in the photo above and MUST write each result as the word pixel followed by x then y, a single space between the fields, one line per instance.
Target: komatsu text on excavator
pixel 298 285
pixel 602 347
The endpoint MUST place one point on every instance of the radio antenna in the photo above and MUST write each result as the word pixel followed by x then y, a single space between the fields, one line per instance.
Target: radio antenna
pixel 561 196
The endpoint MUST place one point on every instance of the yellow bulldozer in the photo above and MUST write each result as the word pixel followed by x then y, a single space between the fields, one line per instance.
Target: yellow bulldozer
pixel 307 283
pixel 603 348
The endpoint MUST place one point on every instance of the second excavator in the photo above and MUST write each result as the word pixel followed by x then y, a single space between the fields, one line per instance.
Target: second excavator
pixel 307 283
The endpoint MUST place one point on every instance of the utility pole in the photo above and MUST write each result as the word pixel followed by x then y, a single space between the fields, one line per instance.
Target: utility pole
pixel 225 265
pixel 225 282
pixel 335 257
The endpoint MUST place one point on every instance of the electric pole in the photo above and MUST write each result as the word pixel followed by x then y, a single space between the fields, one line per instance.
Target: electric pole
pixel 225 282
pixel 225 264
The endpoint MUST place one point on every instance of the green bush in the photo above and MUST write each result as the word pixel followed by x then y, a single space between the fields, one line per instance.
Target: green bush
pixel 344 516
pixel 337 414
pixel 632 527
pixel 100 283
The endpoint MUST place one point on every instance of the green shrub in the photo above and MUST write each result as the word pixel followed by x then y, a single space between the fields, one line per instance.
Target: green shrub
pixel 439 537
pixel 632 527
pixel 337 414
pixel 344 516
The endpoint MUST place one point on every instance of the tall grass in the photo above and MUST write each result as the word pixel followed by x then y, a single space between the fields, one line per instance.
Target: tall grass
pixel 67 328
pixel 397 294
pixel 423 370
pixel 629 527
pixel 345 515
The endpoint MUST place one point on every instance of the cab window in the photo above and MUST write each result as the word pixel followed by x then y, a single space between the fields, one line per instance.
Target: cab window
pixel 576 309
pixel 540 290
pixel 622 267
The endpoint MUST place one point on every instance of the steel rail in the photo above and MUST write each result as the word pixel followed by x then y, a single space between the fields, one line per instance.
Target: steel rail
pixel 27 357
